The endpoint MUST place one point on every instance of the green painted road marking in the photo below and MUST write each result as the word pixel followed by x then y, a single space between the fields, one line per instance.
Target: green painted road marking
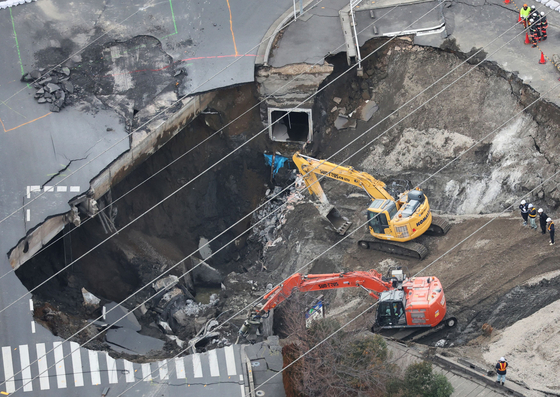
pixel 174 22
pixel 17 44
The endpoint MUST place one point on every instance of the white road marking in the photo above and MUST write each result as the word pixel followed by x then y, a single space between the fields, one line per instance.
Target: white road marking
pixel 8 369
pixel 241 378
pixel 43 367
pixel 163 370
pixel 74 189
pixel 129 367
pixel 59 364
pixel 230 360
pixel 62 188
pixel 28 215
pixel 112 369
pixel 213 360
pixel 32 327
pixel 28 191
pixel 31 304
pixel 180 368
pixel 146 372
pixel 197 365
pixel 77 364
pixel 48 188
pixel 94 367
pixel 25 368
pixel 34 188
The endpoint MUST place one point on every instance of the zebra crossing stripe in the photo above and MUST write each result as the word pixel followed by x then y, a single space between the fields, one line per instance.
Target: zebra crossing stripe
pixel 146 372
pixel 197 365
pixel 230 360
pixel 213 361
pixel 163 370
pixel 180 368
pixel 112 368
pixel 59 365
pixel 94 367
pixel 77 364
pixel 8 369
pixel 25 368
pixel 43 367
pixel 129 370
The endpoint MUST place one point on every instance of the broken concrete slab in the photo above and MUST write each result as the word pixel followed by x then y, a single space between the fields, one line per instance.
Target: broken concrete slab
pixel 129 321
pixel 337 100
pixel 51 87
pixel 41 100
pixel 340 122
pixel 165 283
pixel 133 341
pixel 89 298
pixel 53 107
pixel 366 111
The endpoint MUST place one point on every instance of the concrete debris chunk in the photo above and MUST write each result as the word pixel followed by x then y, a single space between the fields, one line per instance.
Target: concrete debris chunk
pixel 337 100
pixel 68 86
pixel 132 341
pixel 165 283
pixel 166 328
pixel 35 74
pixel 41 100
pixel 66 71
pixel 46 80
pixel 114 313
pixel 340 122
pixel 51 87
pixel 89 298
pixel 53 107
pixel 366 111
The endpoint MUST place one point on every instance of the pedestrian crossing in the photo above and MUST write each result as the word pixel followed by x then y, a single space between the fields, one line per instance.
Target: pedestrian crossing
pixel 61 365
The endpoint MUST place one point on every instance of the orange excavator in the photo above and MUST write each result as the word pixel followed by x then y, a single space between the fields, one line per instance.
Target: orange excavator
pixel 418 302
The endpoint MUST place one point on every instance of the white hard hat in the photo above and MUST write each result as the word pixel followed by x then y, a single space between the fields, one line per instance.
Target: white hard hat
pixel 540 210
pixel 548 220
pixel 530 205
pixel 533 7
pixel 502 359
pixel 523 202
pixel 531 20
pixel 542 13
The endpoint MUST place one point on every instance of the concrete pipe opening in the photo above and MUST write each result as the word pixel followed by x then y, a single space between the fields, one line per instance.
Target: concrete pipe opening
pixel 290 125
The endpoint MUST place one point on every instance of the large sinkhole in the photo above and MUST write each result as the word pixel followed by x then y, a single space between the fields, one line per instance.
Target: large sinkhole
pixel 180 307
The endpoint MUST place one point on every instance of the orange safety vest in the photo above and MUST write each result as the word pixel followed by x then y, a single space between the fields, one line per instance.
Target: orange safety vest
pixel 502 366
pixel 549 225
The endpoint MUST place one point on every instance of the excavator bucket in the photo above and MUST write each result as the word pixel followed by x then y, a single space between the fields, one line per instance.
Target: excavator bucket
pixel 339 222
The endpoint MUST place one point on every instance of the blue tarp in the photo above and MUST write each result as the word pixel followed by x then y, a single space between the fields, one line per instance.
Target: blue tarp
pixel 279 162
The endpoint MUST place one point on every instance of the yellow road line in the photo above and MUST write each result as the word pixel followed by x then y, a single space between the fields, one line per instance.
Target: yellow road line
pixel 231 28
pixel 21 125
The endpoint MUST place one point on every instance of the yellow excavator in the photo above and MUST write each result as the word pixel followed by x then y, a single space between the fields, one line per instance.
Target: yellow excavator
pixel 392 223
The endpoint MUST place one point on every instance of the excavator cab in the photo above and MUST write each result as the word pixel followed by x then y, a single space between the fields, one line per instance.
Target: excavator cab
pixel 390 311
pixel 380 213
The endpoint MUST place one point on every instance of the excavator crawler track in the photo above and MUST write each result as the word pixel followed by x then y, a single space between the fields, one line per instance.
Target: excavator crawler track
pixel 410 249
pixel 439 227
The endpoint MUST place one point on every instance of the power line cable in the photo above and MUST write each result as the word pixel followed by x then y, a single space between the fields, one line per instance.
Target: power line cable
pixel 344 238
pixel 224 231
pixel 194 147
pixel 188 183
pixel 148 121
pixel 373 305
pixel 331 156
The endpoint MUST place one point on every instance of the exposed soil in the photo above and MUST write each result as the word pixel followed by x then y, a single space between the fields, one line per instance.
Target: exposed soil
pixel 482 262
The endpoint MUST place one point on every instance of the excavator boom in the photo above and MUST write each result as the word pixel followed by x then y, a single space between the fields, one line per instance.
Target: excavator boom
pixel 371 281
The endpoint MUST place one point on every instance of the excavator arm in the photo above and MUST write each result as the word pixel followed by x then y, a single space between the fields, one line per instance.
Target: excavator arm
pixel 310 168
pixel 371 281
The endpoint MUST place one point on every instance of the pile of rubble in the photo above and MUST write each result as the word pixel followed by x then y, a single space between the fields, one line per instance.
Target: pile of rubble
pixel 53 87
pixel 269 219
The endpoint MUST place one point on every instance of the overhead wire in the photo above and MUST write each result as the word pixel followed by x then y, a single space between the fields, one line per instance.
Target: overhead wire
pixel 309 68
pixel 187 184
pixel 359 227
pixel 167 271
pixel 331 156
pixel 159 113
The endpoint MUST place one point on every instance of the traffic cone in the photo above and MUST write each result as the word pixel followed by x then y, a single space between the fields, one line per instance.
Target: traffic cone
pixel 542 61
pixel 527 38
pixel 506 1
pixel 519 19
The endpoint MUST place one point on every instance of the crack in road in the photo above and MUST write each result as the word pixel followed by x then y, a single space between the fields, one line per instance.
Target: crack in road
pixel 61 171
